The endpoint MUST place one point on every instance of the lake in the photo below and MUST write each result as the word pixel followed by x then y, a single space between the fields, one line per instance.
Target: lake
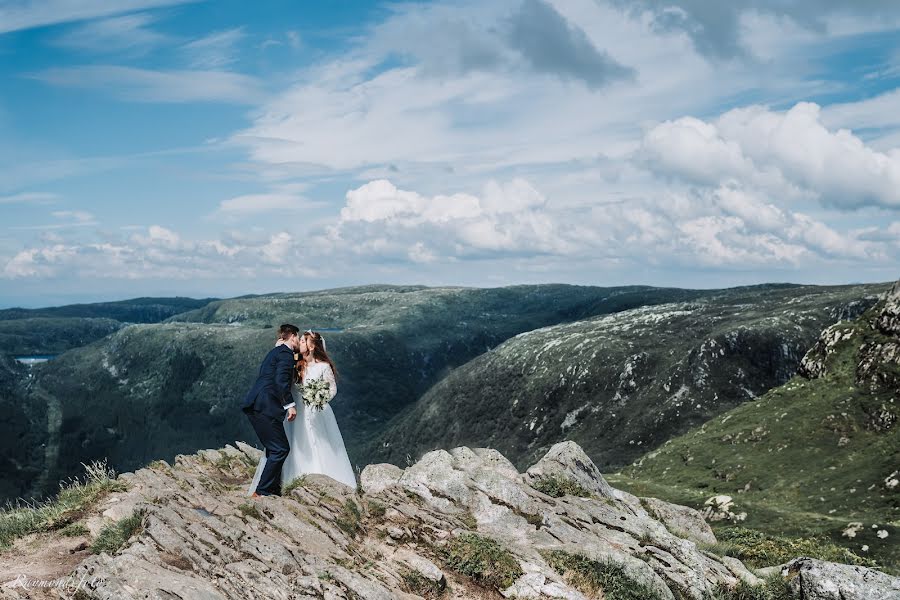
pixel 34 360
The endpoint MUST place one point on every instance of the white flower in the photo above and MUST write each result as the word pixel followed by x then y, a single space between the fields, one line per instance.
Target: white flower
pixel 865 548
pixel 882 534
pixel 852 529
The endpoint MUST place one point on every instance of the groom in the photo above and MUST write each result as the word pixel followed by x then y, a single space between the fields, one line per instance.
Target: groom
pixel 266 403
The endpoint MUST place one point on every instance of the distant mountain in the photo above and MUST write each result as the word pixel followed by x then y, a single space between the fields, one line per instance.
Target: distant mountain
pixel 624 383
pixel 54 330
pixel 136 310
pixel 154 390
pixel 818 455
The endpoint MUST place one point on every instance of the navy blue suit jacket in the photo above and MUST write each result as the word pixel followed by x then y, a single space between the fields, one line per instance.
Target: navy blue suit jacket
pixel 272 390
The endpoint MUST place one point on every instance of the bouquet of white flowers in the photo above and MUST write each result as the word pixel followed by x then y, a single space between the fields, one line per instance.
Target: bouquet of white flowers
pixel 316 393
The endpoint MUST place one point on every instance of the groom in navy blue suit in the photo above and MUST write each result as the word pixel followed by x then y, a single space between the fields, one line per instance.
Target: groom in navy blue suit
pixel 266 404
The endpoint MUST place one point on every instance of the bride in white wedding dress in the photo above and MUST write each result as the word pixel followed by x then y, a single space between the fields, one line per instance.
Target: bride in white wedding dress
pixel 315 440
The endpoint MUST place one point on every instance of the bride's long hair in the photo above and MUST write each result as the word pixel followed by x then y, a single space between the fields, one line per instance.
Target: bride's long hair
pixel 318 353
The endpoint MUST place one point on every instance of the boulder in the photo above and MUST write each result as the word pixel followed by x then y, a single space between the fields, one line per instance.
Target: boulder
pixel 568 460
pixel 812 579
pixel 681 520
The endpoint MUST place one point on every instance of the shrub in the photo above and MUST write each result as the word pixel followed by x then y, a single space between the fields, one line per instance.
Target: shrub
pixel 557 486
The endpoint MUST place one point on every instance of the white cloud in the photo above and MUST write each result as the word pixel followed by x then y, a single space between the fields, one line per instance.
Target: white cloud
pixel 29 198
pixel 16 15
pixel 78 216
pixel 144 85
pixel 757 145
pixel 127 33
pixel 215 50
pixel 252 204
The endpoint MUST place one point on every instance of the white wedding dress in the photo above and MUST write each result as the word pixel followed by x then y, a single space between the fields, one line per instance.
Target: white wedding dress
pixel 315 440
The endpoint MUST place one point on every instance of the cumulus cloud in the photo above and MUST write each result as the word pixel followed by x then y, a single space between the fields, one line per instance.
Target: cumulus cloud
pixel 510 218
pixel 793 148
pixel 156 252
pixel 383 226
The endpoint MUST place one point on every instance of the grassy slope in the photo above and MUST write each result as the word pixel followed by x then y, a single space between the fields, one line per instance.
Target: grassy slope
pixel 623 383
pixel 154 390
pixel 807 458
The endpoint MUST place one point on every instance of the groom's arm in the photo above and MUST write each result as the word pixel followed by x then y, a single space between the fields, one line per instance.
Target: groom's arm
pixel 284 379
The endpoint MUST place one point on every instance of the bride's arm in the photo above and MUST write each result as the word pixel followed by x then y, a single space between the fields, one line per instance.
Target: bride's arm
pixel 332 384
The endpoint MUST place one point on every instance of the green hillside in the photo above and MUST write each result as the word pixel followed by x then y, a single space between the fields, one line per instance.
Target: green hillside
pixel 817 456
pixel 54 330
pixel 154 390
pixel 624 383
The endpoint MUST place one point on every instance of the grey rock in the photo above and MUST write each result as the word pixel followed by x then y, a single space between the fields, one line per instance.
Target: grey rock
pixel 420 565
pixel 374 478
pixel 681 520
pixel 568 460
pixel 202 537
pixel 889 320
pixel 812 579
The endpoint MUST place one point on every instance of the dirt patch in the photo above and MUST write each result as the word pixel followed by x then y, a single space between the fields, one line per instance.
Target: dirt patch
pixel 42 557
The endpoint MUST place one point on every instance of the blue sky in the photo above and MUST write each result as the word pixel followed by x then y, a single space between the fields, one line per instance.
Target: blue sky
pixel 160 147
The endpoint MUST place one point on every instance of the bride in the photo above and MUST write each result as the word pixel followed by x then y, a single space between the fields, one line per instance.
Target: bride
pixel 315 440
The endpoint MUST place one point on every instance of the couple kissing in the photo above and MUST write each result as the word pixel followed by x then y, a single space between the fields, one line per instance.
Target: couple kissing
pixel 289 409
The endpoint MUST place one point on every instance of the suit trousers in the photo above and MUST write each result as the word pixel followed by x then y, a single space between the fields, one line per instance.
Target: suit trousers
pixel 273 437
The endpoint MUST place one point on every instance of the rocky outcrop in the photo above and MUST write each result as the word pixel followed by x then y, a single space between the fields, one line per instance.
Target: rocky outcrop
pixel 812 579
pixel 398 537
pixel 878 341
pixel 889 320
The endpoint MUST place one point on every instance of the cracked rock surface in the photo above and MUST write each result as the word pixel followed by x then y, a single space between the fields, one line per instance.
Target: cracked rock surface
pixel 203 538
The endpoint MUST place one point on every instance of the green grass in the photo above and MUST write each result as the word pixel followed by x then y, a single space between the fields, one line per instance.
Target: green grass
pixel 419 585
pixel 804 461
pixel 113 536
pixel 74 530
pixel 757 549
pixel 482 559
pixel 74 498
pixel 557 486
pixel 293 484
pixel 249 510
pixel 349 519
pixel 594 577
pixel 773 588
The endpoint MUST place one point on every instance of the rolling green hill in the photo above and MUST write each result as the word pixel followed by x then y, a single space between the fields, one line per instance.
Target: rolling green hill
pixel 624 383
pixel 155 390
pixel 29 331
pixel 819 455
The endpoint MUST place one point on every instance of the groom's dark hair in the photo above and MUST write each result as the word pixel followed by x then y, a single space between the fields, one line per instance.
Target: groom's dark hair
pixel 287 330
